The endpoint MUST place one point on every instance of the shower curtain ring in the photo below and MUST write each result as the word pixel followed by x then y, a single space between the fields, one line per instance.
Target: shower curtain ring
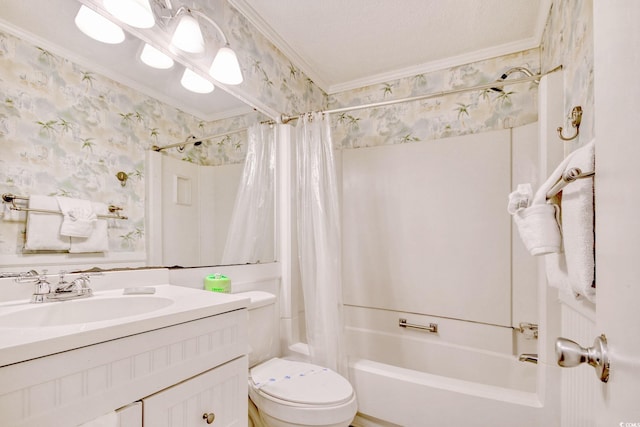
pixel 576 119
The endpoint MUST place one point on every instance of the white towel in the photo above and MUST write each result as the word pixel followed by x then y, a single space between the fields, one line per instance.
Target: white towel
pixel 556 271
pixel 106 420
pixel 537 221
pixel 578 224
pixel 521 198
pixel 98 241
pixel 43 229
pixel 538 228
pixel 79 217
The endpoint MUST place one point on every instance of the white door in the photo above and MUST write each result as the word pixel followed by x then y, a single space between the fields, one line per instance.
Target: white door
pixel 617 184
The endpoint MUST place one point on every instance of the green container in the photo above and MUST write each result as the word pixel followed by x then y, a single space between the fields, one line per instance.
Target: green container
pixel 217 283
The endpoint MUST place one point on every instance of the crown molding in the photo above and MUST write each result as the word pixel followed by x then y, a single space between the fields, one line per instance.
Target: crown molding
pixel 438 65
pixel 508 48
pixel 281 44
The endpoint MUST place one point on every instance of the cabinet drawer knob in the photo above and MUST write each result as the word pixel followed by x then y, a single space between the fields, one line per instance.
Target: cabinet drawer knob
pixel 209 417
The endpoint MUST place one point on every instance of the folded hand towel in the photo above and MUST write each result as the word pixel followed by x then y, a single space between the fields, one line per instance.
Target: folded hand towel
pixel 98 241
pixel 79 217
pixel 578 224
pixel 43 229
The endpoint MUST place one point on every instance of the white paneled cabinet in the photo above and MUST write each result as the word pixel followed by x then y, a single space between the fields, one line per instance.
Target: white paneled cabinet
pixel 219 395
pixel 199 365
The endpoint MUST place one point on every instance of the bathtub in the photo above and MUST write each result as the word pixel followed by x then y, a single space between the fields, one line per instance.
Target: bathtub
pixel 409 378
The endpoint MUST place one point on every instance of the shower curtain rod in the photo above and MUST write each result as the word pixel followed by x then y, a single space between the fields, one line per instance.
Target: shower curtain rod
pixel 495 84
pixel 191 139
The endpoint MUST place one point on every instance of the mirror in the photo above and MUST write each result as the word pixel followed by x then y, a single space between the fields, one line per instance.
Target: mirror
pixel 76 114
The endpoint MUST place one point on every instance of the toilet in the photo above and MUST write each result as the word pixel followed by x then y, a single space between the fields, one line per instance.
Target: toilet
pixel 290 393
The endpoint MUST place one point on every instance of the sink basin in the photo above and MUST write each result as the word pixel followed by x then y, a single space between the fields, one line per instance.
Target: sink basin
pixel 82 311
pixel 30 331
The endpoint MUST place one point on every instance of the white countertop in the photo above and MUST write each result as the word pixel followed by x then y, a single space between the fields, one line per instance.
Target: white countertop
pixel 18 344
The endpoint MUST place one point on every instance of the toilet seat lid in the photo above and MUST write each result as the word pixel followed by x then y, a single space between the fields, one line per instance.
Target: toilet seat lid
pixel 301 382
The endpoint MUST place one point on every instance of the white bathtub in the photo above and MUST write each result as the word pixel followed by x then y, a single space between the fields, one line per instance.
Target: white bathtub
pixel 413 379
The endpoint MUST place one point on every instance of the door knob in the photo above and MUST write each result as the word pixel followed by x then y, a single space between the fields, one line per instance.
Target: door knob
pixel 570 354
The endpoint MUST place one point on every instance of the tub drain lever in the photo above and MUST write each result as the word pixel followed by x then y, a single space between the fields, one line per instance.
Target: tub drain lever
pixel 529 330
pixel 433 327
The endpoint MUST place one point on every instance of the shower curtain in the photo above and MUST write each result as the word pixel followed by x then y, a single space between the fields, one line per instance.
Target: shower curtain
pixel 319 241
pixel 253 213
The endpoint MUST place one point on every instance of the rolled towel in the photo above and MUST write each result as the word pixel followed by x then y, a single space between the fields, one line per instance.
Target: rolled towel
pixel 538 228
pixel 521 198
pixel 79 217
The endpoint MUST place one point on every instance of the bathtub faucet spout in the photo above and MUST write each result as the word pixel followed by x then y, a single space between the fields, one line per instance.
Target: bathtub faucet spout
pixel 531 358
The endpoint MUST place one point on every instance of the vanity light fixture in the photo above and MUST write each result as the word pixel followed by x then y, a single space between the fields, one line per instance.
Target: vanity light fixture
pixel 225 67
pixel 154 58
pixel 195 83
pixel 98 27
pixel 136 13
pixel 188 37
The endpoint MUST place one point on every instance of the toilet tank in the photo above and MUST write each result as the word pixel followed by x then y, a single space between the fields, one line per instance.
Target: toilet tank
pixel 264 330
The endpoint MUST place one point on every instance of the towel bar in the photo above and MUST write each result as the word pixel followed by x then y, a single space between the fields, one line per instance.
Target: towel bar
pixel 567 178
pixel 11 198
pixel 433 327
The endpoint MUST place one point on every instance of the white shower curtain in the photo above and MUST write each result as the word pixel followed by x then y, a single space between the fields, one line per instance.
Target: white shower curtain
pixel 251 228
pixel 319 241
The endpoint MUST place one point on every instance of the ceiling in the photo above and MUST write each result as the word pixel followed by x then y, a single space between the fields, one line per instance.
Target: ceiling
pixel 347 44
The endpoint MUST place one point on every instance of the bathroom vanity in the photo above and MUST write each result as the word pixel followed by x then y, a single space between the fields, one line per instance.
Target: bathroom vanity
pixel 180 361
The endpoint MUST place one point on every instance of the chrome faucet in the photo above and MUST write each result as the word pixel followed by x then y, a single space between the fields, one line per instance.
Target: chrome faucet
pixel 62 291
pixel 77 288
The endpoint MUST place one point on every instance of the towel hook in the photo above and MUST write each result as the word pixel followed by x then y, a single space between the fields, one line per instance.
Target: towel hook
pixel 576 118
pixel 122 177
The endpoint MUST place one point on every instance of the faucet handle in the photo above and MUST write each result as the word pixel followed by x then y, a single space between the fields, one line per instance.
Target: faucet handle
pixel 82 284
pixel 42 288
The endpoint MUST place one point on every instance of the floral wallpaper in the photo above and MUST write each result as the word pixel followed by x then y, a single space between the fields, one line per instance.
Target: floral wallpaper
pixel 271 79
pixel 439 117
pixel 65 130
pixel 568 41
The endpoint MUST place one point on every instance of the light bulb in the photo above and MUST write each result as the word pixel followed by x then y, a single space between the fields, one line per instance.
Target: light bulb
pixel 195 83
pixel 136 13
pixel 188 36
pixel 154 58
pixel 225 67
pixel 98 27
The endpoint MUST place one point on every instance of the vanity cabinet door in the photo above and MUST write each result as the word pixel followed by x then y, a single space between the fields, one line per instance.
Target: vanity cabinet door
pixel 130 415
pixel 217 397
